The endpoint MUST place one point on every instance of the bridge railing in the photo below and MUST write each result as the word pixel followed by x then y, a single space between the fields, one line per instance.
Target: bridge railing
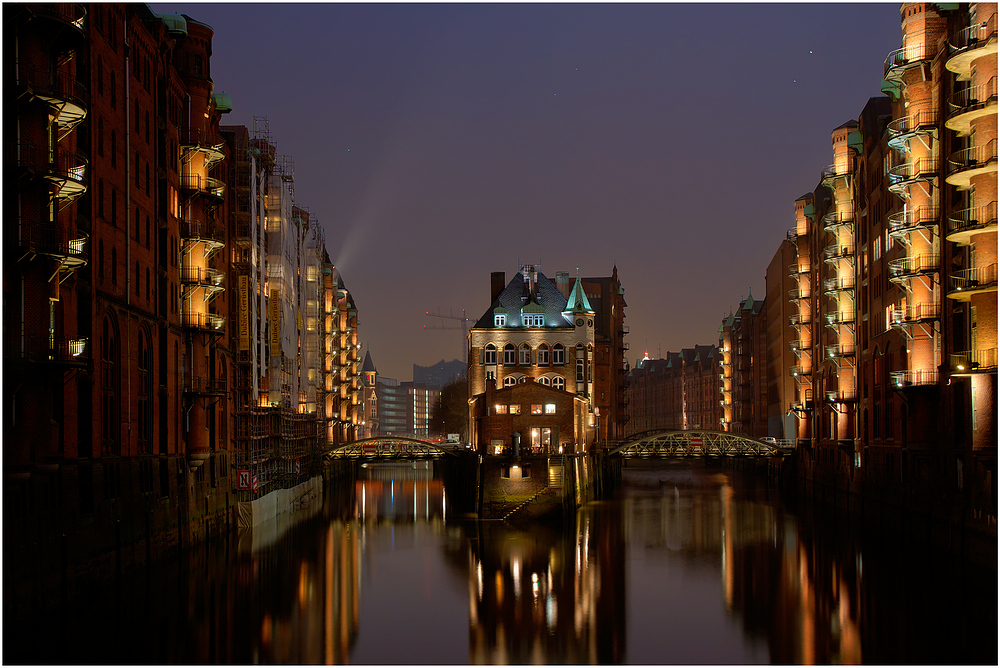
pixel 699 443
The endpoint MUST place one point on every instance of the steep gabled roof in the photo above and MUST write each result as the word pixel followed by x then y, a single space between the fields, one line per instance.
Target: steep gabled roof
pixel 578 302
pixel 515 297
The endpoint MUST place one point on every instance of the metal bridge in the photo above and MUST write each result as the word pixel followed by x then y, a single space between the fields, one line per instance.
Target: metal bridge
pixel 390 447
pixel 694 443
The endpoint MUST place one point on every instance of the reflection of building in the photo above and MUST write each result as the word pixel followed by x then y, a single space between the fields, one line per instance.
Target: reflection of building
pixel 548 596
pixel 544 334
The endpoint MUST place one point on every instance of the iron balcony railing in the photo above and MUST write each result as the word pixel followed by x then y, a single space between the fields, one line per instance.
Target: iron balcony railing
pixel 206 321
pixel 799 370
pixel 915 313
pixel 972 98
pixel 834 219
pixel 972 361
pixel 792 235
pixel 924 120
pixel 62 242
pixel 832 285
pixel 68 13
pixel 797 319
pixel 202 276
pixel 903 222
pixel 205 386
pixel 974 36
pixel 838 251
pixel 795 294
pixel 907 56
pixel 196 229
pixel 971 219
pixel 203 184
pixel 914 265
pixel 973 157
pixel 50 350
pixel 796 346
pixel 829 175
pixel 912 378
pixel 840 350
pixel 53 85
pixel 67 169
pixel 837 318
pixel 798 268
pixel 976 278
pixel 921 168
pixel 841 396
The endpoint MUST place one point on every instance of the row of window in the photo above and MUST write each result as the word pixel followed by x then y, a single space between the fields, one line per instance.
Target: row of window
pixel 515 409
pixel 535 320
pixel 523 355
pixel 557 382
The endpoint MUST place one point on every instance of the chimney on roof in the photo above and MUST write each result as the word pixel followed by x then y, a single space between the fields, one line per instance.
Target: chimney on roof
pixel 562 283
pixel 498 281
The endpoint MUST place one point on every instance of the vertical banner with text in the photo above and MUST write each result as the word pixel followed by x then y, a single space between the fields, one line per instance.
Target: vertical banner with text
pixel 244 313
pixel 275 310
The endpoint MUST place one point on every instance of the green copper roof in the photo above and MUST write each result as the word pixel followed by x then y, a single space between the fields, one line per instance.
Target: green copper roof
pixel 532 307
pixel 578 302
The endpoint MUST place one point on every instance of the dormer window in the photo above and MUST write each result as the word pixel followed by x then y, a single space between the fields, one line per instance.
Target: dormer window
pixel 533 320
pixel 500 320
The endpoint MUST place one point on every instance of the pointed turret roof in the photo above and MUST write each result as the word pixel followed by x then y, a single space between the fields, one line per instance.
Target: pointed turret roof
pixel 369 365
pixel 578 302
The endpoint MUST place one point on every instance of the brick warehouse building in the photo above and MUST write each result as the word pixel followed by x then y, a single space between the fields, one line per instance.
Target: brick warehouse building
pixel 679 391
pixel 126 377
pixel 546 333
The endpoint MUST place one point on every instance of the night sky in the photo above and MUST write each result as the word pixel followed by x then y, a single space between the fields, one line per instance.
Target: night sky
pixel 439 143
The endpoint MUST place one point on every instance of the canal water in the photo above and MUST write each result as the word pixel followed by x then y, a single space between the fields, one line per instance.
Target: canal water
pixel 687 564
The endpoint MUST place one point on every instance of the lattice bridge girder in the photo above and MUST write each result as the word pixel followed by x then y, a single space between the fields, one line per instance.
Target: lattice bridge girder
pixel 695 443
pixel 388 447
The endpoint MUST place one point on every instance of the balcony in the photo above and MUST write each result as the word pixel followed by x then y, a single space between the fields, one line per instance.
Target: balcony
pixel 974 361
pixel 210 234
pixel 838 318
pixel 834 285
pixel 67 15
pixel 965 165
pixel 974 281
pixel 838 350
pixel 798 268
pixel 205 386
pixel 834 220
pixel 792 235
pixel 901 60
pixel 967 105
pixel 204 321
pixel 915 315
pixel 902 223
pixel 838 251
pixel 202 276
pixel 62 351
pixel 204 185
pixel 798 294
pixel 798 319
pixel 913 378
pixel 977 41
pixel 841 396
pixel 902 176
pixel 901 130
pixel 798 371
pixel 963 224
pixel 797 347
pixel 67 245
pixel 905 268
pixel 66 170
pixel 200 141
pixel 65 94
pixel 829 176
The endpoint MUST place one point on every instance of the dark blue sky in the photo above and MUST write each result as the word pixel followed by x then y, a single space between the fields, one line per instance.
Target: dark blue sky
pixel 439 143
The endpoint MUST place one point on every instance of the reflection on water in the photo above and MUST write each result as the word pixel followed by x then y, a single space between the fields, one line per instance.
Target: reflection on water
pixel 686 565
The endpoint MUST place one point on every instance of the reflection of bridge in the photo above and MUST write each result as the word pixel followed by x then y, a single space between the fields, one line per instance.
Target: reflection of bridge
pixel 695 443
pixel 390 447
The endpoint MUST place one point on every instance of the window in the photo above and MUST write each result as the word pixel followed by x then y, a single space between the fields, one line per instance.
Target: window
pixel 509 354
pixel 533 320
pixel 579 370
pixel 544 380
pixel 499 320
pixel 508 381
pixel 515 409
pixel 542 355
pixel 500 409
pixel 525 354
pixel 491 375
pixel 558 354
pixel 491 354
pixel 550 409
pixel 537 409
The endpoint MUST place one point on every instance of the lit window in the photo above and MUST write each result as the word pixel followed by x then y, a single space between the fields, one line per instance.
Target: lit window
pixel 501 409
pixel 533 320
pixel 558 354
pixel 550 409
pixel 525 354
pixel 509 354
pixel 537 409
pixel 491 354
pixel 515 409
pixel 499 320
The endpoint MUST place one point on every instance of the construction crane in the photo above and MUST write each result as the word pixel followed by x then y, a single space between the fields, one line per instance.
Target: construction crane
pixel 462 326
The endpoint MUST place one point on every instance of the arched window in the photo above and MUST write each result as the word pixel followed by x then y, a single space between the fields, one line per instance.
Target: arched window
pixel 509 354
pixel 544 380
pixel 491 354
pixel 559 383
pixel 558 354
pixel 525 354
pixel 509 380
pixel 542 355
pixel 114 266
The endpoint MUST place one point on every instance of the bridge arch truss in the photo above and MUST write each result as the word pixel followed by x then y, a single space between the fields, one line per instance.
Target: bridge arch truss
pixel 695 443
pixel 388 447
